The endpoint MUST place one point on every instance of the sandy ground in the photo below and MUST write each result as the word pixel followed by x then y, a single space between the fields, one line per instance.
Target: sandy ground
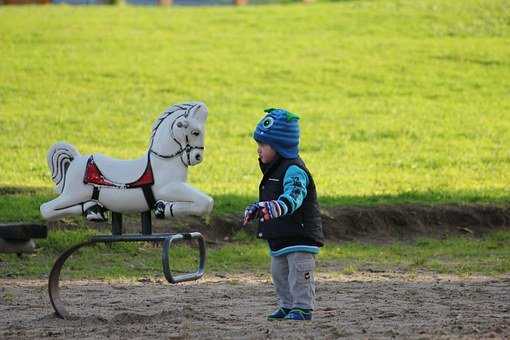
pixel 362 305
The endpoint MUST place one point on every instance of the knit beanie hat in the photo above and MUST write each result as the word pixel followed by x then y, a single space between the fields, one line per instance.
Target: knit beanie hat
pixel 280 129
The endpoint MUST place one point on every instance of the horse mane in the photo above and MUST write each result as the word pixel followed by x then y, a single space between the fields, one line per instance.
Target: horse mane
pixel 174 108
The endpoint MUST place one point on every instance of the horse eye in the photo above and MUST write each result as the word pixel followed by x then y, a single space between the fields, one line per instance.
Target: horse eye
pixel 195 133
pixel 183 124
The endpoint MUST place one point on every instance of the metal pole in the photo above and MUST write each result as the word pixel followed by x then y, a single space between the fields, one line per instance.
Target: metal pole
pixel 146 223
pixel 116 223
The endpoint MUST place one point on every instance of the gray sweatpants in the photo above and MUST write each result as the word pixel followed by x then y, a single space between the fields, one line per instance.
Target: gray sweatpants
pixel 293 279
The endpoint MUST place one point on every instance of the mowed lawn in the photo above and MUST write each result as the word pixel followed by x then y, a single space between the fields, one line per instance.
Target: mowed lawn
pixel 401 101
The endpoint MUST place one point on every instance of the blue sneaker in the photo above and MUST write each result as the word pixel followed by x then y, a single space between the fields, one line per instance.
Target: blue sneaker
pixel 299 314
pixel 279 314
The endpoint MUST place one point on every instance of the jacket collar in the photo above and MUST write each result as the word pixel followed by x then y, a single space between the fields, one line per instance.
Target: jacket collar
pixel 268 167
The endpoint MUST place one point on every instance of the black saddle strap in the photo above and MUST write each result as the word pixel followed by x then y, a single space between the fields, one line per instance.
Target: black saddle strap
pixel 95 193
pixel 149 196
pixel 147 193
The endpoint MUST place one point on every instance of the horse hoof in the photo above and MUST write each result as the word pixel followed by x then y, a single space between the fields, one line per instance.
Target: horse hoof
pixel 96 213
pixel 159 209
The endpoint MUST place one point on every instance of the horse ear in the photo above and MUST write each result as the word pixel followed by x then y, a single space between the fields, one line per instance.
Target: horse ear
pixel 200 112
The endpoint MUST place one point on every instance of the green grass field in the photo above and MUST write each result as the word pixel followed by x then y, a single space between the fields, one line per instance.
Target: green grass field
pixel 401 101
pixel 459 256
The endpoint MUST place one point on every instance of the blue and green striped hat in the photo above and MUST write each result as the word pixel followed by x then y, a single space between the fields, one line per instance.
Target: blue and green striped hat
pixel 280 129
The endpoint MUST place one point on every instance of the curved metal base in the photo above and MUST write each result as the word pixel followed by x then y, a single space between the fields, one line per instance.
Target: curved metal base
pixel 166 239
pixel 53 287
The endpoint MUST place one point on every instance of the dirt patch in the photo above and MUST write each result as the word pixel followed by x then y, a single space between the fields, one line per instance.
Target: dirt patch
pixel 371 224
pixel 372 304
pixel 364 305
pixel 407 222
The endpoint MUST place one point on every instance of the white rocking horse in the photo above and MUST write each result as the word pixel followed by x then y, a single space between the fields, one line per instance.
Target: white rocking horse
pixel 92 184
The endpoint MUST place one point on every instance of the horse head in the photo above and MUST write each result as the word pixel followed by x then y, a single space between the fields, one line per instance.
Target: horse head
pixel 180 132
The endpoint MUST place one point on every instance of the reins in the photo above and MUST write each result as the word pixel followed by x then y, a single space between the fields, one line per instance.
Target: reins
pixel 188 148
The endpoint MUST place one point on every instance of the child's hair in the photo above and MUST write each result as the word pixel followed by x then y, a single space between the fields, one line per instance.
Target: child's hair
pixel 280 129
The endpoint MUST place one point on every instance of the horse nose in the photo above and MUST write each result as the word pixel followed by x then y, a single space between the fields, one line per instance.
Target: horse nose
pixel 198 157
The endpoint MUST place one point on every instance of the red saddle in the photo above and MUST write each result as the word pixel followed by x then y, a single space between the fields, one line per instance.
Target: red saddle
pixel 94 176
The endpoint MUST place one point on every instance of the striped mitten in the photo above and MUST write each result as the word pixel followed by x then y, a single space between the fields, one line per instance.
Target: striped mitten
pixel 270 210
pixel 250 213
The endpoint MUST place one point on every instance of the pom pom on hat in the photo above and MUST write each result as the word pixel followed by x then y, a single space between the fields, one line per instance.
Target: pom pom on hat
pixel 280 129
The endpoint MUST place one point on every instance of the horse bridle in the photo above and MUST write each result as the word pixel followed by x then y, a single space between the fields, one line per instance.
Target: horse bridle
pixel 188 148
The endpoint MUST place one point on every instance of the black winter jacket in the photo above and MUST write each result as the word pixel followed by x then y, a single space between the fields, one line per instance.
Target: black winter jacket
pixel 303 226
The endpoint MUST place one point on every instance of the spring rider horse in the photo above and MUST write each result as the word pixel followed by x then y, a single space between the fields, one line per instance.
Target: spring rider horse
pixel 93 184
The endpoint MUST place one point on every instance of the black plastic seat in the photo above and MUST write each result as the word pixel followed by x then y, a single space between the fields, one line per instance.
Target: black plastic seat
pixel 22 231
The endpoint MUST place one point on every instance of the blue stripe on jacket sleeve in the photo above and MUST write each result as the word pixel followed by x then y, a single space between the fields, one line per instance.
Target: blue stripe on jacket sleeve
pixel 295 182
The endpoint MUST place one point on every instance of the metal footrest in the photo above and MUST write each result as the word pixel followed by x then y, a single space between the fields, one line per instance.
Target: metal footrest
pixel 166 239
pixel 166 258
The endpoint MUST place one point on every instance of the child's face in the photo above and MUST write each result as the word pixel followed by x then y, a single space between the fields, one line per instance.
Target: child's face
pixel 266 153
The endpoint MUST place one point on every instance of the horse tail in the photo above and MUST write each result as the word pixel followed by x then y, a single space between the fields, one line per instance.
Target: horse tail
pixel 59 158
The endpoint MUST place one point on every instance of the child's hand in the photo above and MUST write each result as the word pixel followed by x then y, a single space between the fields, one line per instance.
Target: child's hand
pixel 269 210
pixel 265 211
pixel 250 213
